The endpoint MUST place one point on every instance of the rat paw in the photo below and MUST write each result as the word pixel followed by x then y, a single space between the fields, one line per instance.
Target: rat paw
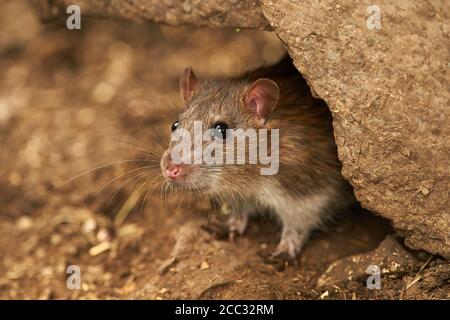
pixel 237 224
pixel 280 261
pixel 290 245
pixel 216 230
pixel 221 230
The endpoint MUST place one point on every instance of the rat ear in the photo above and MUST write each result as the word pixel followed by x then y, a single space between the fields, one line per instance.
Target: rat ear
pixel 262 98
pixel 188 83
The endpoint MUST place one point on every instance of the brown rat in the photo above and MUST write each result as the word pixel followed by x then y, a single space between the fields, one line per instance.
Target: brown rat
pixel 307 188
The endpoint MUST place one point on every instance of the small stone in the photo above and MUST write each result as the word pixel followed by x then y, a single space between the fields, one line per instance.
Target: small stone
pixel 204 265
pixel 324 295
pixel 424 190
pixel 55 238
pixel 89 226
pixel 103 235
pixel 163 290
pixel 24 223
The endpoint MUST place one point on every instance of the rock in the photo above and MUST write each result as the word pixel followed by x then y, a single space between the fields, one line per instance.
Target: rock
pixel 212 13
pixel 387 88
pixel 390 257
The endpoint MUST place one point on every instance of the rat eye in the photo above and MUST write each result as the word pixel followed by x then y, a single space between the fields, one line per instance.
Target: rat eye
pixel 175 125
pixel 220 130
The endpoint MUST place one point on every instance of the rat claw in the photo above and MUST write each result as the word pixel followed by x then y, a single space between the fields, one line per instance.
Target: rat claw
pixel 232 236
pixel 237 225
pixel 279 260
pixel 290 244
pixel 285 257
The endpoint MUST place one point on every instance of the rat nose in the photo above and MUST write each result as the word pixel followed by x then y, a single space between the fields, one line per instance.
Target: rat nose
pixel 173 171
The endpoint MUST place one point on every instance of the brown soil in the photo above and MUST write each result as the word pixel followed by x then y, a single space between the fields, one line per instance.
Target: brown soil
pixel 71 101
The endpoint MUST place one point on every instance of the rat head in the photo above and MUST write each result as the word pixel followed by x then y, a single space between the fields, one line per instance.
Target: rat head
pixel 218 116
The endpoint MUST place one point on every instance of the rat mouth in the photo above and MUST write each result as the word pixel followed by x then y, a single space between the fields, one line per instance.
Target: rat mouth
pixel 182 176
pixel 184 182
pixel 186 186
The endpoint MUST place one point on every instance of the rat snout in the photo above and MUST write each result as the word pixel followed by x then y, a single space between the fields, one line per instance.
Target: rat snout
pixel 173 171
pixel 176 172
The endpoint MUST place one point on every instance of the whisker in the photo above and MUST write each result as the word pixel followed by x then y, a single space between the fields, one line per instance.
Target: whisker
pixel 152 151
pixel 125 183
pixel 120 176
pixel 160 140
pixel 98 168
pixel 150 190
